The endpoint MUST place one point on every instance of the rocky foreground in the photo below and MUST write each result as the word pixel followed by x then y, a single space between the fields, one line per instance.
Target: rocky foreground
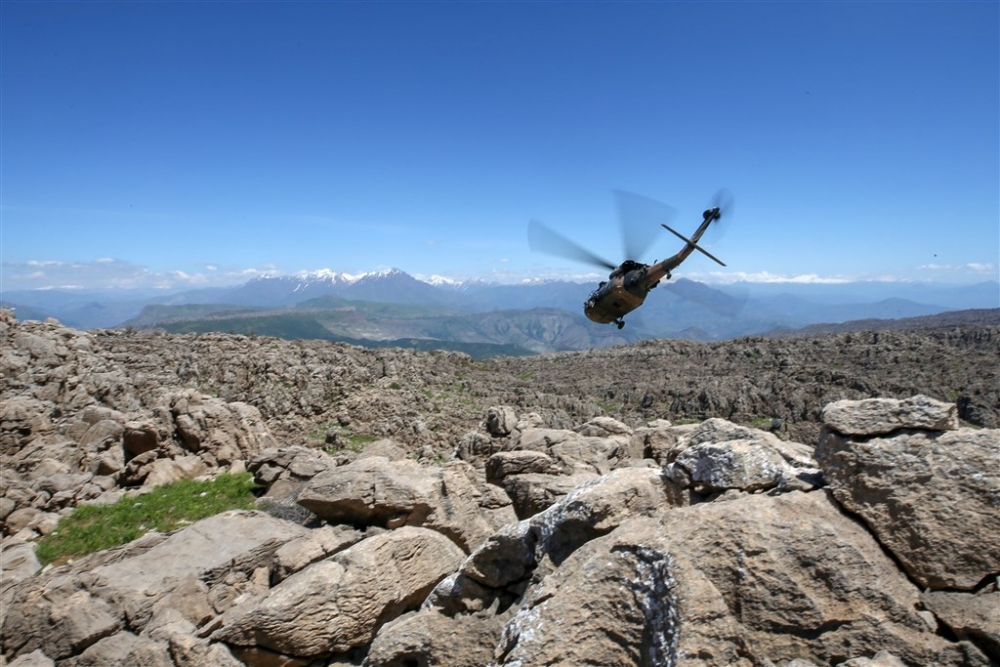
pixel 463 530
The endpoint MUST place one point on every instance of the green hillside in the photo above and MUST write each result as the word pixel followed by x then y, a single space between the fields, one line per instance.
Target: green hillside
pixel 298 323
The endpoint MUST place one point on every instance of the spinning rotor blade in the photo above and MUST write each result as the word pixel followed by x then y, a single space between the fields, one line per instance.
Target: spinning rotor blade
pixel 723 200
pixel 639 217
pixel 543 239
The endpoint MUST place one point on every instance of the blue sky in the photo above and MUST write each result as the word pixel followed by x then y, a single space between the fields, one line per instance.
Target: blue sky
pixel 191 143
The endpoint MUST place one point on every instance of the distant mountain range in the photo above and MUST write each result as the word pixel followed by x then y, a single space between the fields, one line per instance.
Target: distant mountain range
pixel 393 307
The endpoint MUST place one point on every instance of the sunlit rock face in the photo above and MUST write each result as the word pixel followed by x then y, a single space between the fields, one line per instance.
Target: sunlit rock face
pixel 487 515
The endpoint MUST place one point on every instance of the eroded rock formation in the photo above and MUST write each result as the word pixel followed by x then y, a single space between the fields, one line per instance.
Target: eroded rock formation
pixel 519 542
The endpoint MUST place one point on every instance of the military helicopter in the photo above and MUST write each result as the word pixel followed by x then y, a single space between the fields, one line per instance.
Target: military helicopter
pixel 631 281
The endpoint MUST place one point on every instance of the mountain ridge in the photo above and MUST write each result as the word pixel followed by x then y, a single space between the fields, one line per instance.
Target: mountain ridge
pixel 681 308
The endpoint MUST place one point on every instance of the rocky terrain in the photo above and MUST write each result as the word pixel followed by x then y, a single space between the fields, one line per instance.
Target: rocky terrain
pixel 787 502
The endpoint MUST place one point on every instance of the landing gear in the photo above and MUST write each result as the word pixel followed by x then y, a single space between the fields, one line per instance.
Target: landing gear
pixel 620 323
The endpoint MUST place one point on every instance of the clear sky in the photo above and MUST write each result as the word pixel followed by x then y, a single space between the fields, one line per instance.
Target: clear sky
pixel 196 143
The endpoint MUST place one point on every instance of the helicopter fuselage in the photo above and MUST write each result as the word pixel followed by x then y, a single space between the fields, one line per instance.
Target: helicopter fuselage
pixel 628 285
pixel 624 291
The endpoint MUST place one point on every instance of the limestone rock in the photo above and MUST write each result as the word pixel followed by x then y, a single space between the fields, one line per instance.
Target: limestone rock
pixel 732 464
pixel 377 491
pixel 123 650
pixel 168 471
pixel 931 498
pixel 139 437
pixel 219 431
pixel 314 546
pixel 575 453
pixel 432 638
pixel 971 617
pixel 22 419
pixel 19 562
pixel 34 659
pixel 880 659
pixel 500 421
pixel 298 464
pixel 362 587
pixel 501 566
pixel 188 651
pixel 532 493
pixel 655 441
pixel 77 621
pixel 503 464
pixel 718 455
pixel 69 609
pixel 879 416
pixel 218 544
pixel 725 582
pixel 604 427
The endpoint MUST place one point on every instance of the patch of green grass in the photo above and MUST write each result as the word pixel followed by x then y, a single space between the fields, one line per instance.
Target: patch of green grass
pixel 93 528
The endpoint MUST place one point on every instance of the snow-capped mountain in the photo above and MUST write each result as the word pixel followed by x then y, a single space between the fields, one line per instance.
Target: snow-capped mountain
pixel 676 305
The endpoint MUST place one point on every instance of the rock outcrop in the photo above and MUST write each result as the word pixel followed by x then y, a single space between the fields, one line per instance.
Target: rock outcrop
pixel 604 542
pixel 930 492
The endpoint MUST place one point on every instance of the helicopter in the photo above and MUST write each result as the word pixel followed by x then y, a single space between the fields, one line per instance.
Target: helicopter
pixel 630 282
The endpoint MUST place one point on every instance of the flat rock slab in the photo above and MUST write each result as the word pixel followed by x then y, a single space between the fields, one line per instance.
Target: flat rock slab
pixel 879 416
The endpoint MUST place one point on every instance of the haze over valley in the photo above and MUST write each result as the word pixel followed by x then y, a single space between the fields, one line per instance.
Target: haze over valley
pixel 392 307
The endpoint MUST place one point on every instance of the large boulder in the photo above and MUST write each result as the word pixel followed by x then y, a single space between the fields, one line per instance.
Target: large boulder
pixel 123 650
pixel 972 617
pixel 756 580
pixel 429 637
pixel 532 493
pixel 377 491
pixel 718 455
pixel 931 498
pixel 576 453
pixel 195 572
pixel 878 416
pixel 498 571
pixel 220 432
pixel 361 588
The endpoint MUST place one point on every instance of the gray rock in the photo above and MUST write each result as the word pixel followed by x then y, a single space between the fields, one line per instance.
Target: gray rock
pixel 975 618
pixel 376 491
pixel 123 650
pixel 733 464
pixel 60 630
pixel 500 421
pixel 502 565
pixel 879 416
pixel 502 464
pixel 188 651
pixel 432 638
pixel 362 587
pixel 724 582
pixel 880 659
pixel 219 432
pixel 205 550
pixel 930 498
pixel 19 561
pixel 314 546
pixel 33 659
